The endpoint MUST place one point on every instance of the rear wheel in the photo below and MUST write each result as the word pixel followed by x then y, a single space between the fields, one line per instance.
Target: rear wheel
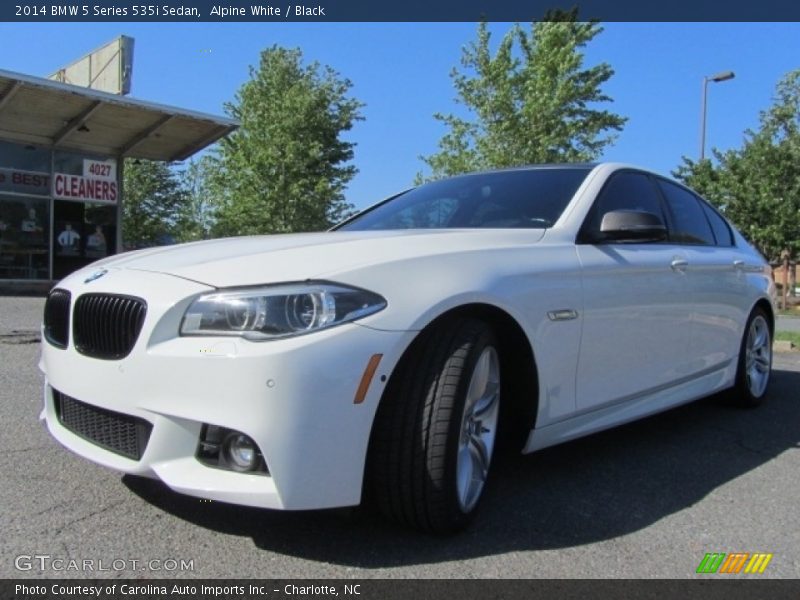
pixel 436 428
pixel 755 362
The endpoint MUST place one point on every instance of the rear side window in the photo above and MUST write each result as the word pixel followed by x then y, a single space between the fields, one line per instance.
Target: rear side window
pixel 627 190
pixel 689 222
pixel 721 230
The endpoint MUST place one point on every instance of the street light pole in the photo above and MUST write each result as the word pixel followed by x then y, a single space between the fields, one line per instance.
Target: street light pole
pixel 722 76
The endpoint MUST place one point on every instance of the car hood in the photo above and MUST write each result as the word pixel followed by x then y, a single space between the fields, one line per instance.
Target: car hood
pixel 298 257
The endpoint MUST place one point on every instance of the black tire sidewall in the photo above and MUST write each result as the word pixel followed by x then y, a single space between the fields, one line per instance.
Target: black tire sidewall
pixel 413 456
pixel 483 340
pixel 742 394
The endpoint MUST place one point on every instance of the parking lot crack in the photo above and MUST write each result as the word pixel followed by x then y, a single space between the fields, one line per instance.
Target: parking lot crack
pixel 44 511
pixel 17 336
pixel 94 513
pixel 739 442
pixel 28 449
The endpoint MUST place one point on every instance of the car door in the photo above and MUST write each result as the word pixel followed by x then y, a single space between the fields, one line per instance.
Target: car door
pixel 714 274
pixel 636 311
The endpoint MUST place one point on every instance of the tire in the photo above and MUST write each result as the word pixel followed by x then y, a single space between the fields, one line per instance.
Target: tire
pixel 755 362
pixel 435 428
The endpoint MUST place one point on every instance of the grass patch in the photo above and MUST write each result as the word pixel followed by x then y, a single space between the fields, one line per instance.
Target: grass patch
pixel 788 336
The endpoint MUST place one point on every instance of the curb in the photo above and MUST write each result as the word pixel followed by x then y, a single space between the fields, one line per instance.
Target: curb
pixel 783 346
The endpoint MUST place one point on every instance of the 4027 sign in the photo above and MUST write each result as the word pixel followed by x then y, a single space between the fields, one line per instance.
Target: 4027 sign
pixel 100 169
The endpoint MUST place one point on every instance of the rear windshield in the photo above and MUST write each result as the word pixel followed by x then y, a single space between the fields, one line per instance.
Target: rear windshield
pixel 527 198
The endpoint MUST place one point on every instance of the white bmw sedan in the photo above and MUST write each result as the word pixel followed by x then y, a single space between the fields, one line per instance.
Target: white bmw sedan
pixel 389 357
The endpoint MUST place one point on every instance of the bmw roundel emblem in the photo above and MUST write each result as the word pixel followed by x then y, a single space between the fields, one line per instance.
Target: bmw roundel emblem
pixel 95 275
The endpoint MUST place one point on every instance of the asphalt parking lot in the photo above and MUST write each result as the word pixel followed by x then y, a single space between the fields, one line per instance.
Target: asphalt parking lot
pixel 645 500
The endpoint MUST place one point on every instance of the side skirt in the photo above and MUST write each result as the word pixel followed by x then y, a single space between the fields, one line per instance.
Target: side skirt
pixel 651 402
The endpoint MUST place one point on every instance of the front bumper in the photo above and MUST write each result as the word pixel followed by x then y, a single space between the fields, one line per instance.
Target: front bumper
pixel 294 397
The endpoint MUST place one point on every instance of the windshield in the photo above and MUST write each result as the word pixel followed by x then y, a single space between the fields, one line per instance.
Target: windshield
pixel 523 198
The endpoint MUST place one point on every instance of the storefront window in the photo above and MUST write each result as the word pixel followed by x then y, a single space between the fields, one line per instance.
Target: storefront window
pixel 24 169
pixel 24 223
pixel 70 162
pixel 24 157
pixel 83 232
pixel 82 193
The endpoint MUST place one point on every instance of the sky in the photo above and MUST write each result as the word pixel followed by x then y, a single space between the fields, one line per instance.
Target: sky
pixel 401 72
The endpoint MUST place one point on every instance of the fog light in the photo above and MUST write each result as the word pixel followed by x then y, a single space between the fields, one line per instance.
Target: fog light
pixel 229 449
pixel 240 452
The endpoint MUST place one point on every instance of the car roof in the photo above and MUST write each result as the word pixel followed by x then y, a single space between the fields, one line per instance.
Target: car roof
pixel 534 167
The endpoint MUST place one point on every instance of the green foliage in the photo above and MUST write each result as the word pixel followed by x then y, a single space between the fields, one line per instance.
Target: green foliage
pixel 533 101
pixel 788 336
pixel 286 168
pixel 197 216
pixel 153 201
pixel 758 185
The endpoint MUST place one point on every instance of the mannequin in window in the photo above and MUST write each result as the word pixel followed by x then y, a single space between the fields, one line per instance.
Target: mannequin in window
pixel 68 239
pixel 96 242
pixel 31 224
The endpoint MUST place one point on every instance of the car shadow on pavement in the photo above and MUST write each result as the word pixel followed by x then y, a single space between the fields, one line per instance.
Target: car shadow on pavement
pixel 597 488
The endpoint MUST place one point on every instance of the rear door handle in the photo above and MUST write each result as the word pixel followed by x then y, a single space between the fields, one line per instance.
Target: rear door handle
pixel 679 264
pixel 738 265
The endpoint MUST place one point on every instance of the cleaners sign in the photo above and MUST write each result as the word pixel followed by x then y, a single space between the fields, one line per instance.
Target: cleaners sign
pixel 97 184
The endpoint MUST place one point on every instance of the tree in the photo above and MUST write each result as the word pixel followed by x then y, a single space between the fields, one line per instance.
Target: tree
pixel 153 201
pixel 285 169
pixel 758 185
pixel 531 102
pixel 197 216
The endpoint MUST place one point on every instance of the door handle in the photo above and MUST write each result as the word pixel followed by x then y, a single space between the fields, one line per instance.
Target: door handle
pixel 679 264
pixel 738 265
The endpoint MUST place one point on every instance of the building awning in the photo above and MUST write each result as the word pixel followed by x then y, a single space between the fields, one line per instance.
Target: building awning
pixel 49 113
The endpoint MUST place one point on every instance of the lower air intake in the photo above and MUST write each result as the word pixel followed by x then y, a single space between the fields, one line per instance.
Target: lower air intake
pixel 122 434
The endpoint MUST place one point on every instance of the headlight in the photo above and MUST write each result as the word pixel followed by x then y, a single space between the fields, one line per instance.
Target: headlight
pixel 278 311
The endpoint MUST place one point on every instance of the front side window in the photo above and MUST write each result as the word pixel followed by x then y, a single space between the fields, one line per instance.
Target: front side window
pixel 523 198
pixel 689 223
pixel 627 190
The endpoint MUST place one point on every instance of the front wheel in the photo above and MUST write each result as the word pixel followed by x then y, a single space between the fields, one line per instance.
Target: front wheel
pixel 478 429
pixel 755 362
pixel 436 428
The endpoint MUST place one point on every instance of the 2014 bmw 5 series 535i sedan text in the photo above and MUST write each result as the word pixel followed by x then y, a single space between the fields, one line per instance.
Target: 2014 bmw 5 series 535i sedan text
pixel 389 357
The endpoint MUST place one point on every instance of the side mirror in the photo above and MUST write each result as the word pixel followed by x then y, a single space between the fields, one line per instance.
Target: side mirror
pixel 632 226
